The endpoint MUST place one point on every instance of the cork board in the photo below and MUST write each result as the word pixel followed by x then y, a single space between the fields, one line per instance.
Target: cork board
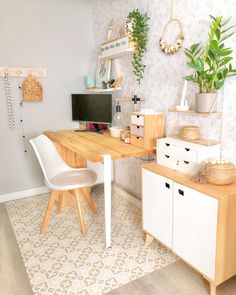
pixel 32 90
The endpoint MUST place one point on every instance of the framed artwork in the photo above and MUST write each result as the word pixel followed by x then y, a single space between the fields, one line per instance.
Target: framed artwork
pixel 103 72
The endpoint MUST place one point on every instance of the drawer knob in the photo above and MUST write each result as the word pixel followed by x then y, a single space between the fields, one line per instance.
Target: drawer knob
pixel 181 192
pixel 167 185
pixel 137 127
pixel 187 149
pixel 138 116
pixel 186 162
pixel 167 144
pixel 167 156
pixel 137 137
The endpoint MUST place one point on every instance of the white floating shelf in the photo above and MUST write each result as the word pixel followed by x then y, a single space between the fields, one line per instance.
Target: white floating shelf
pixel 117 54
pixel 100 90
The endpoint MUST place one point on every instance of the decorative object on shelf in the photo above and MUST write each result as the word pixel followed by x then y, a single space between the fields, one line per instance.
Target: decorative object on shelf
pixel 10 105
pixel 89 82
pixel 110 30
pixel 32 90
pixel 184 105
pixel 211 63
pixel 139 36
pixel 112 84
pixel 116 46
pixel 167 48
pixel 190 133
pixel 115 131
pixel 220 172
pixel 102 72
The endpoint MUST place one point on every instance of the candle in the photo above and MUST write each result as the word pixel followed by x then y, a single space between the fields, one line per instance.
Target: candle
pixel 183 93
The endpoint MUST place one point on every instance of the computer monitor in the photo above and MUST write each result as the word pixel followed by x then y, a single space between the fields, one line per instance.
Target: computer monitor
pixel 92 108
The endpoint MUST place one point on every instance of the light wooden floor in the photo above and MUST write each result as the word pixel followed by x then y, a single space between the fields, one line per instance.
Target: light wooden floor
pixel 175 279
pixel 13 277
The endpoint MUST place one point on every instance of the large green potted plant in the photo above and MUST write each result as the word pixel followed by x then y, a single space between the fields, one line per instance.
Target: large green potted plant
pixel 139 36
pixel 212 64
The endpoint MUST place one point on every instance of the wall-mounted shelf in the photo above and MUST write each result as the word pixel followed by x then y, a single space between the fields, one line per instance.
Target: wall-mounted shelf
pixel 117 54
pixel 192 112
pixel 100 90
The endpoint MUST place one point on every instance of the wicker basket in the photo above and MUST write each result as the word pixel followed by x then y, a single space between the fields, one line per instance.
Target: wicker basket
pixel 220 174
pixel 190 133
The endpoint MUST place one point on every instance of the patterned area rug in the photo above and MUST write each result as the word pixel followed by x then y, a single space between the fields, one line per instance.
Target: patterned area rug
pixel 62 262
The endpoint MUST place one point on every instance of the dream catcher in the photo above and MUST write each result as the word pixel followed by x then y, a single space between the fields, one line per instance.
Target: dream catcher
pixel 166 47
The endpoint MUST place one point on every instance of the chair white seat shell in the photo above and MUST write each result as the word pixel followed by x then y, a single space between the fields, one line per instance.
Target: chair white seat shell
pixel 60 177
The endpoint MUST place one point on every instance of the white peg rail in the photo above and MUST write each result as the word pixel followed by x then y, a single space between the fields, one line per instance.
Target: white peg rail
pixel 23 72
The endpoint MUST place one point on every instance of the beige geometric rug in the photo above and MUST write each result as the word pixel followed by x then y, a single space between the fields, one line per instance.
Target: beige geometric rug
pixel 62 262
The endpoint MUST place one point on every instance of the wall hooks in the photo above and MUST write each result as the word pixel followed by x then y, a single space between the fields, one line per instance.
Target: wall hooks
pixel 23 72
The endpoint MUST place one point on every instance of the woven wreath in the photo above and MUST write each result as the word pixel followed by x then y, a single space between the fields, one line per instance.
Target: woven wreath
pixel 179 40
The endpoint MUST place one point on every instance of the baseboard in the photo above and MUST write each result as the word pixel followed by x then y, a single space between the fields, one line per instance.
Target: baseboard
pixel 127 190
pixel 23 194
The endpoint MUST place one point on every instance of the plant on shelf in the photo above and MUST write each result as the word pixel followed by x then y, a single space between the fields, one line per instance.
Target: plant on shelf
pixel 139 36
pixel 211 63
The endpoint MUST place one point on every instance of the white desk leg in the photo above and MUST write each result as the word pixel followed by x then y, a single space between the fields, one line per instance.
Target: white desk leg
pixel 107 197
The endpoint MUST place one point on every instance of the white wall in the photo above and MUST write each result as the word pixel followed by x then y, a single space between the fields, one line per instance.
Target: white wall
pixel 56 34
pixel 162 85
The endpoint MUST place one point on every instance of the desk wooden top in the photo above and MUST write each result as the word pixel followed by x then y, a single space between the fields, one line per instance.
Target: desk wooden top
pixel 92 146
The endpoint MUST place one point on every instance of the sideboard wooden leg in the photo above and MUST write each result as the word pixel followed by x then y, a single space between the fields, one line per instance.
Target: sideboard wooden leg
pixel 213 289
pixel 148 239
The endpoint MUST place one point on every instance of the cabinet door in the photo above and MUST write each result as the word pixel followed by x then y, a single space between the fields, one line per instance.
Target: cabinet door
pixel 157 204
pixel 194 228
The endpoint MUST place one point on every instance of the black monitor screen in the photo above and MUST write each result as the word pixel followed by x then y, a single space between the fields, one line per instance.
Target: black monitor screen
pixel 95 108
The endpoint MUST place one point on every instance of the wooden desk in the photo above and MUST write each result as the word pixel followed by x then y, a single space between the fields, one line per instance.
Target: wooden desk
pixel 78 147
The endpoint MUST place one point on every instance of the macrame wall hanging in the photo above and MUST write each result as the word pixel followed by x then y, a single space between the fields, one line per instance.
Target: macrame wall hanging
pixel 32 90
pixel 166 47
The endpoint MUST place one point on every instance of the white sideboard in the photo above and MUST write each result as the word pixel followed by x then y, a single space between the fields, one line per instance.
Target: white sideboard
pixel 196 221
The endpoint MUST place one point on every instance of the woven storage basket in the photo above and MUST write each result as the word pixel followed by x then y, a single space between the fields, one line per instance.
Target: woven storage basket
pixel 190 133
pixel 220 174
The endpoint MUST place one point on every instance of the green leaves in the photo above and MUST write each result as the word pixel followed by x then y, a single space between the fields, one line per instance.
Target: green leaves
pixel 212 62
pixel 139 35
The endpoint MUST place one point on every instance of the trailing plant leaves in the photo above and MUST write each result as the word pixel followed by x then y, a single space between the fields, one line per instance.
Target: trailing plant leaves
pixel 139 35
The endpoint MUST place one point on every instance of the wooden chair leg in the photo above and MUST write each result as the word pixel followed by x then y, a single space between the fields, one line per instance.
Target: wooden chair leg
pixel 89 200
pixel 148 239
pixel 60 202
pixel 213 289
pixel 81 216
pixel 48 211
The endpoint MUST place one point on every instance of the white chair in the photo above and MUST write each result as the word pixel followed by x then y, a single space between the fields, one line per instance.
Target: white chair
pixel 59 177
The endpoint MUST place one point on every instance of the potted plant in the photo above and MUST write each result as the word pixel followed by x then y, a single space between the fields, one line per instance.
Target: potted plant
pixel 211 63
pixel 139 36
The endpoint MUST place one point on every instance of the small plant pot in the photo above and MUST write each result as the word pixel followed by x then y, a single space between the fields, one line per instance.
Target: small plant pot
pixel 206 102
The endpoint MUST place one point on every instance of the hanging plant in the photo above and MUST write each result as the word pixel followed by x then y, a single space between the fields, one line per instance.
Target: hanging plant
pixel 139 36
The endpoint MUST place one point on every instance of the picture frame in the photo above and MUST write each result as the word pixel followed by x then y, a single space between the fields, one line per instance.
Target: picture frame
pixel 103 72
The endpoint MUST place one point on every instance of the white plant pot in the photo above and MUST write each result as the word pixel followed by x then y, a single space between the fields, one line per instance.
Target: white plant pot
pixel 206 102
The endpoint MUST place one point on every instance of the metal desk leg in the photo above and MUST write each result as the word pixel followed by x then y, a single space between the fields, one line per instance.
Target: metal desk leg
pixel 107 197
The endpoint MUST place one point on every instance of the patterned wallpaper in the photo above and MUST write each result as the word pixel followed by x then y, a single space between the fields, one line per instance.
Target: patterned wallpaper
pixel 162 85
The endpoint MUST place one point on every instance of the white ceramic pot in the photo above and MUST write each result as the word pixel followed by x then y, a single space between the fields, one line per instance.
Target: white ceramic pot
pixel 115 131
pixel 206 102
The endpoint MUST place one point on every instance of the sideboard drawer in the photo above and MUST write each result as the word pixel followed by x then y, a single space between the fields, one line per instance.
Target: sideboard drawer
pixel 187 167
pixel 137 120
pixel 167 161
pixel 137 140
pixel 180 152
pixel 137 130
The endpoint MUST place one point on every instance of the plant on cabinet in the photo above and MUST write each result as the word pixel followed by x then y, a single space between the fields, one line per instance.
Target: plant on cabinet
pixel 211 63
pixel 138 35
